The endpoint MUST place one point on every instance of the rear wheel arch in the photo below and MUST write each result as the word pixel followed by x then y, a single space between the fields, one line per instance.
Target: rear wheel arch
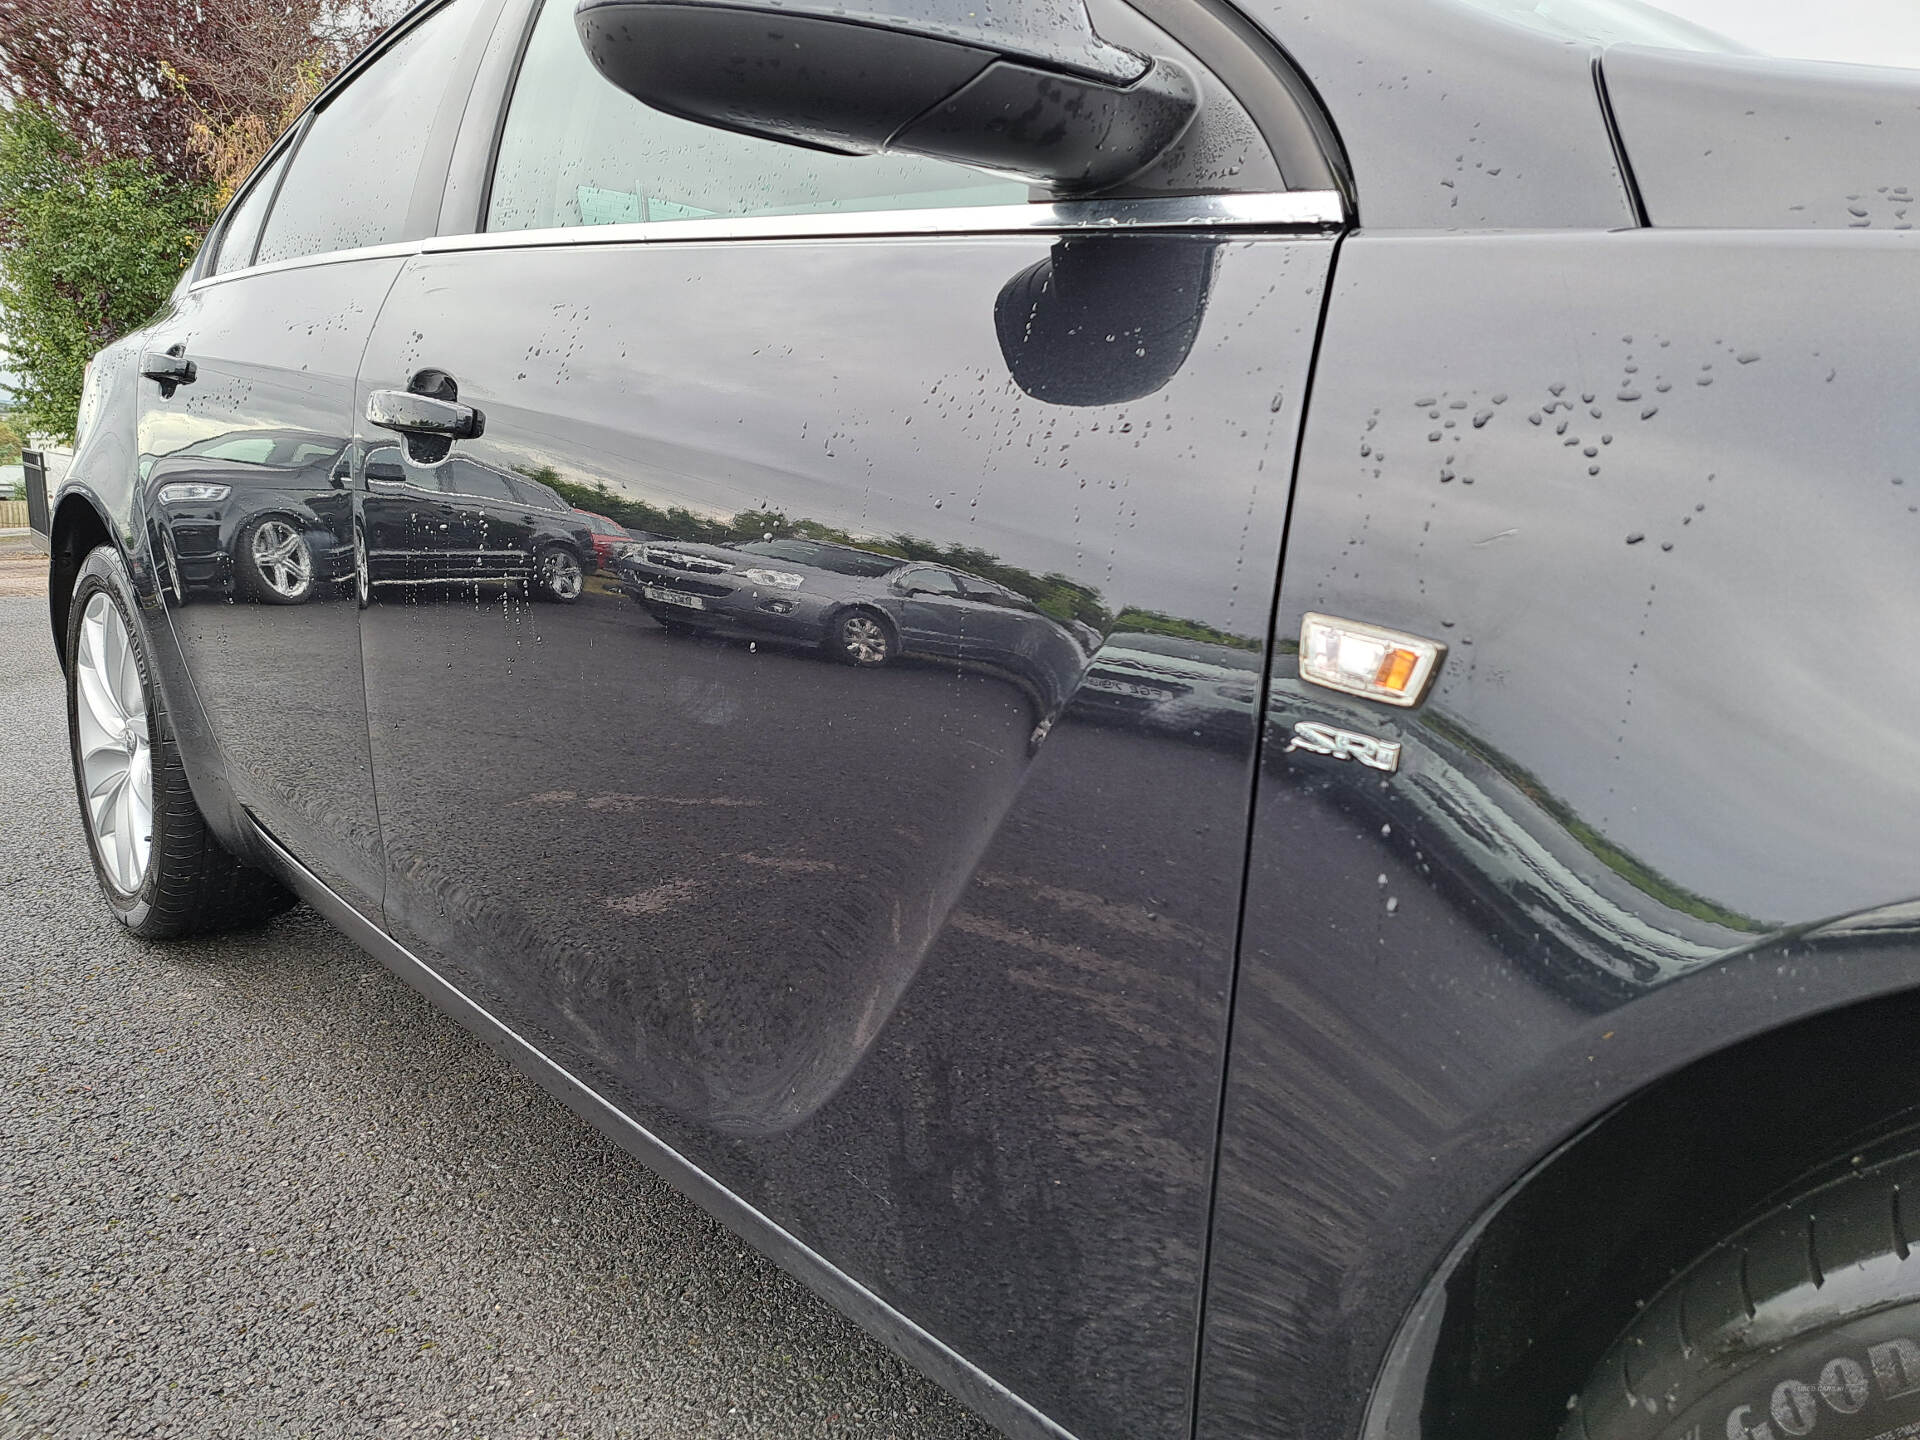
pixel 78 528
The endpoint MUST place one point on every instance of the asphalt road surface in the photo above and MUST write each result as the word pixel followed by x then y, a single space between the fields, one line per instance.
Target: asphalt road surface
pixel 254 1186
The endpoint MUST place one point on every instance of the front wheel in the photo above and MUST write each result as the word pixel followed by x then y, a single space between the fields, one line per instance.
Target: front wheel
pixel 558 575
pixel 160 868
pixel 862 638
pixel 1805 1322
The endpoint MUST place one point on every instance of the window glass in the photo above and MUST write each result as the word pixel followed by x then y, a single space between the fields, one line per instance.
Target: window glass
pixel 244 217
pixel 577 150
pixel 243 449
pixel 824 555
pixel 465 478
pixel 352 178
pixel 938 582
pixel 532 492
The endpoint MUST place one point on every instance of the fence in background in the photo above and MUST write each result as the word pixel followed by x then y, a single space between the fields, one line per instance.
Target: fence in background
pixel 36 517
pixel 13 514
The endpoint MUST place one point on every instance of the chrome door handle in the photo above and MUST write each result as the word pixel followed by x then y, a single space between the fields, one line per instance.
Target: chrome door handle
pixel 171 369
pixel 413 414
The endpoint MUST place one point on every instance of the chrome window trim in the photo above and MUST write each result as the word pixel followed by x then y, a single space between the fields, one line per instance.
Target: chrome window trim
pixel 1289 209
pixel 1309 211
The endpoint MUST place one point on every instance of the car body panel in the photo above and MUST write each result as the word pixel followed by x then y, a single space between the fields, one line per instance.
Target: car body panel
pixel 1664 531
pixel 1454 118
pixel 276 356
pixel 845 938
pixel 974 1089
pixel 1760 143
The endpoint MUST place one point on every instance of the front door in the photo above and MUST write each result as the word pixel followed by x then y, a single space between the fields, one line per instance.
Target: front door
pixel 936 982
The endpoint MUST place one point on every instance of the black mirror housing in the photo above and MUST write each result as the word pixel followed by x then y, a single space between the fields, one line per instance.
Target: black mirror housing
pixel 1037 95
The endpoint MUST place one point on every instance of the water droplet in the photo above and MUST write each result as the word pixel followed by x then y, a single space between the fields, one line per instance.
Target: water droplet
pixel 1393 904
pixel 1747 357
pixel 1635 538
pixel 1480 419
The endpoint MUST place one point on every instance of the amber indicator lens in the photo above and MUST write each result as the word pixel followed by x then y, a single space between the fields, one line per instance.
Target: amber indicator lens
pixel 1361 659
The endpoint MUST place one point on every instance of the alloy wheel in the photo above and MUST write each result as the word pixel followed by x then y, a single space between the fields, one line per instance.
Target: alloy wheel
pixel 282 558
pixel 865 639
pixel 116 759
pixel 563 575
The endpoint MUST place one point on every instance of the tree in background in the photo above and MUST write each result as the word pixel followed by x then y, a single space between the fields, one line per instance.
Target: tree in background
pixel 88 251
pixel 177 85
pixel 124 127
pixel 11 443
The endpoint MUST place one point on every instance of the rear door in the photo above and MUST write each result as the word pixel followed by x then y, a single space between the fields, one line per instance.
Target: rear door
pixel 936 983
pixel 248 480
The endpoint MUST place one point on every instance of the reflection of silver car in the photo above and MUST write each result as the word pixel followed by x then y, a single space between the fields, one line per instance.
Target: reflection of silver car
pixel 863 607
pixel 1196 689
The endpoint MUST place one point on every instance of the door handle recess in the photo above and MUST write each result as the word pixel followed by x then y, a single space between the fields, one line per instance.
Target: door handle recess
pixel 170 369
pixel 413 414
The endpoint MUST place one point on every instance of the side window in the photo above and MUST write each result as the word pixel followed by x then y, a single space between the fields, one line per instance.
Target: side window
pixel 470 479
pixel 986 592
pixel 242 229
pixel 532 492
pixel 353 172
pixel 928 581
pixel 577 150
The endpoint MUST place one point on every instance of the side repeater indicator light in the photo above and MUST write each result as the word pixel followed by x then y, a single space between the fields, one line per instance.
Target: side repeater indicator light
pixel 1360 659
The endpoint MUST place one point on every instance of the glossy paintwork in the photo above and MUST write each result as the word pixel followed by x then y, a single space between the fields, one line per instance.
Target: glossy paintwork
pixel 1668 534
pixel 910 958
pixel 275 357
pixel 932 963
pixel 1452 118
pixel 1742 140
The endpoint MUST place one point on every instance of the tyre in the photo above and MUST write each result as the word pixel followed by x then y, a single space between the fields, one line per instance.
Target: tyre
pixel 1804 1323
pixel 558 575
pixel 272 562
pixel 160 868
pixel 864 638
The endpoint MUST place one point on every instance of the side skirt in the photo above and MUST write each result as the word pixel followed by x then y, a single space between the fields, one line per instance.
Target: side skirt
pixel 927 1354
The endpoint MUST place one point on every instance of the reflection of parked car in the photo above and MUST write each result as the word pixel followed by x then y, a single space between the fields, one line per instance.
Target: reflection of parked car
pixel 1418 1061
pixel 252 515
pixel 1195 689
pixel 459 521
pixel 609 537
pixel 863 607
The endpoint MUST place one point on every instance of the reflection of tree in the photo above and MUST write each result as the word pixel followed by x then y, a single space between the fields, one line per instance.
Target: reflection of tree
pixel 1060 596
pixel 1636 872
pixel 1152 622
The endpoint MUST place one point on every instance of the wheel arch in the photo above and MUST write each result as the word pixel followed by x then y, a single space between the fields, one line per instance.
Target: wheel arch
pixel 79 525
pixel 1509 1324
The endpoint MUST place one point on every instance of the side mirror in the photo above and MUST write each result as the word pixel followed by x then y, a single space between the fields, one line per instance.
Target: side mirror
pixel 1031 91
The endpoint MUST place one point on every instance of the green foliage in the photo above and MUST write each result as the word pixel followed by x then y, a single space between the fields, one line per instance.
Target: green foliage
pixel 88 251
pixel 10 443
pixel 1152 622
